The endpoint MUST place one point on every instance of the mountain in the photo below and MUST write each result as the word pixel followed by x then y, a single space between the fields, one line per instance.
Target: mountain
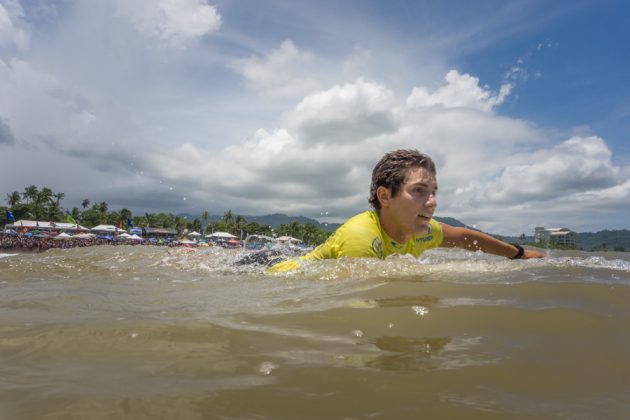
pixel 604 240
pixel 277 219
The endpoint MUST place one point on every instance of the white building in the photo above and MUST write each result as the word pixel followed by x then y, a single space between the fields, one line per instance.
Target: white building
pixel 558 236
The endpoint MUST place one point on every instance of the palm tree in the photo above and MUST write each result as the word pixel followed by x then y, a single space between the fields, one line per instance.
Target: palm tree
pixel 102 207
pixel 14 199
pixel 40 202
pixel 228 218
pixel 30 193
pixel 85 203
pixel 125 214
pixel 59 196
pixel 239 224
pixel 180 224
pixel 149 218
pixel 45 196
pixel 75 213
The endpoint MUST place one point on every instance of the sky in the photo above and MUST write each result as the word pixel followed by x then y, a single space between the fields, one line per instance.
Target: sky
pixel 264 107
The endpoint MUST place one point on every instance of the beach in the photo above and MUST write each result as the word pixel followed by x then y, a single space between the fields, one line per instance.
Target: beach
pixel 143 332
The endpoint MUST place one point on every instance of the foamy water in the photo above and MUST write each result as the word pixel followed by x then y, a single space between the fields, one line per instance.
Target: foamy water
pixel 147 332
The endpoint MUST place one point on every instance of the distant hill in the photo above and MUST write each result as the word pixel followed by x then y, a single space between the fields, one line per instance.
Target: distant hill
pixel 605 240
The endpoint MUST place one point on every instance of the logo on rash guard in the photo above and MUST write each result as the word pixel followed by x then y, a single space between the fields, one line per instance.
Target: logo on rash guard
pixel 377 246
pixel 425 238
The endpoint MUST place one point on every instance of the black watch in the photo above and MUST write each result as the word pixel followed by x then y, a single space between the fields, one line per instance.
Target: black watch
pixel 520 252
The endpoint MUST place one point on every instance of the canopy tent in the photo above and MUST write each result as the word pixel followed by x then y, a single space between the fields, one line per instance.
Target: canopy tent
pixel 223 235
pixel 84 236
pixel 107 229
pixel 194 234
pixel 62 236
pixel 289 239
pixel 124 236
pixel 135 237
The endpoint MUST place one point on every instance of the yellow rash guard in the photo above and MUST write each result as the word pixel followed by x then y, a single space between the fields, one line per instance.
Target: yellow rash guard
pixel 363 237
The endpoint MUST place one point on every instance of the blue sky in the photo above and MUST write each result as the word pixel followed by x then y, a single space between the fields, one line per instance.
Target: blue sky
pixel 278 106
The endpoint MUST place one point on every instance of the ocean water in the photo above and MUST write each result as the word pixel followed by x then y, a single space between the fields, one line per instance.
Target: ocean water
pixel 139 332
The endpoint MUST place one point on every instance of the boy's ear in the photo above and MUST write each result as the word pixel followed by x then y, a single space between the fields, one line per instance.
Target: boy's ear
pixel 383 195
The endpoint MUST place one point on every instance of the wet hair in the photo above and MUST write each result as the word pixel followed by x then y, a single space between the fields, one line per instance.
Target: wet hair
pixel 391 171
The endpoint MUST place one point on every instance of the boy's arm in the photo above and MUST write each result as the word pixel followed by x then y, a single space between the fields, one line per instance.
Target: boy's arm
pixel 472 240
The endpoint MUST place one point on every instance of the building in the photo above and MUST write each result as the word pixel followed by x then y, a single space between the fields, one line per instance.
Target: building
pixel 557 236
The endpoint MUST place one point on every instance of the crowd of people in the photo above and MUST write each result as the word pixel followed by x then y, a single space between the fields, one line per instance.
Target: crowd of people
pixel 34 243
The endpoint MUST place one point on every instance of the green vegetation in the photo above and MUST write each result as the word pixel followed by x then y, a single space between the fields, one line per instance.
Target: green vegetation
pixel 43 205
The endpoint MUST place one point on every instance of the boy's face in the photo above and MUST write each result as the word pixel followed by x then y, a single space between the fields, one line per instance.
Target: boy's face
pixel 413 206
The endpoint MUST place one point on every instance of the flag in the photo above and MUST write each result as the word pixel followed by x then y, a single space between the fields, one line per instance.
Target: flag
pixel 129 223
pixel 70 219
pixel 10 217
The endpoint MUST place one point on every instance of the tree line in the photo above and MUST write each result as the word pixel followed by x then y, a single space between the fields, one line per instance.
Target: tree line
pixel 44 205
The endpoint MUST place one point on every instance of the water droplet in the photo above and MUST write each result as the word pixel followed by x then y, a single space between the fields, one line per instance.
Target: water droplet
pixel 357 333
pixel 184 198
pixel 390 325
pixel 134 335
pixel 420 310
pixel 267 367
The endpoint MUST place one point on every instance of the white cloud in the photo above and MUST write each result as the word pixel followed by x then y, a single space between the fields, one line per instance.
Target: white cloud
pixel 279 73
pixel 175 21
pixel 576 165
pixel 13 28
pixel 461 90
pixel 345 114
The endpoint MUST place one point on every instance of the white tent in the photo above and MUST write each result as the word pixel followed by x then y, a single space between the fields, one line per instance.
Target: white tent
pixel 124 236
pixel 62 236
pixel 289 239
pixel 84 236
pixel 134 237
pixel 107 229
pixel 223 235
pixel 194 234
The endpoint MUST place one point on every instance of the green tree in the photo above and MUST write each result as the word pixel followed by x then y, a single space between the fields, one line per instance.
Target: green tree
pixel 30 193
pixel 58 197
pixel 14 198
pixel 125 214
pixel 239 225
pixel 76 214
pixel 150 219
pixel 85 203
pixel 204 218
pixel 91 217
